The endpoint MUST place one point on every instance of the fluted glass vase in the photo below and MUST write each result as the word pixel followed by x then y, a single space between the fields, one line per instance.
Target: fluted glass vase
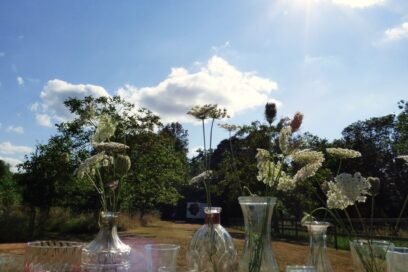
pixel 106 253
pixel 212 249
pixel 257 255
pixel 317 246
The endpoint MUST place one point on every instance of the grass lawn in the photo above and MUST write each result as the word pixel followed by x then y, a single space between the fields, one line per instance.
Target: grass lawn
pixel 181 233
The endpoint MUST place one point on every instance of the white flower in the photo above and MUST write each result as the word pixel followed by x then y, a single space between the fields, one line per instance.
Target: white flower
pixel 343 153
pixel 347 190
pixel 286 183
pixel 284 138
pixel 106 129
pixel 229 127
pixel 110 147
pixel 201 177
pixel 403 157
pixel 313 161
pixel 88 166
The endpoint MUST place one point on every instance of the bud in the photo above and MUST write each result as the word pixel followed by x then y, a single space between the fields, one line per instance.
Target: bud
pixel 122 164
pixel 270 112
pixel 296 121
pixel 375 186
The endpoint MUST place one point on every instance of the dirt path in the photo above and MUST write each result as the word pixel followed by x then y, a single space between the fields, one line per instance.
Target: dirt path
pixel 167 232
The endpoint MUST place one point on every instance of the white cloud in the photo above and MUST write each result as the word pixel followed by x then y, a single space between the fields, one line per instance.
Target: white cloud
pixel 397 33
pixel 358 3
pixel 192 152
pixel 18 130
pixel 12 162
pixel 217 82
pixel 54 93
pixel 9 148
pixel 43 120
pixel 20 81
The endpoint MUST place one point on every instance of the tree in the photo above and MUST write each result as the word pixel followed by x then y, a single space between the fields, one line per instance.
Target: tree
pixel 9 191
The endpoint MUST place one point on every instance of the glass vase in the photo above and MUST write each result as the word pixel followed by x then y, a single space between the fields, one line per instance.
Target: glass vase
pixel 370 255
pixel 106 253
pixel 317 246
pixel 212 249
pixel 257 255
pixel 397 259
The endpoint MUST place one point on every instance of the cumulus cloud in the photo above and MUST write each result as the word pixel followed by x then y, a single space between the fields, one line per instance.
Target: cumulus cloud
pixel 12 162
pixel 51 108
pixel 9 148
pixel 20 81
pixel 18 130
pixel 217 82
pixel 397 33
pixel 358 3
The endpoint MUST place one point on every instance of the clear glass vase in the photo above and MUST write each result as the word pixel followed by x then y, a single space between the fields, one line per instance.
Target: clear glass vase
pixel 317 246
pixel 257 255
pixel 397 259
pixel 212 249
pixel 370 255
pixel 106 253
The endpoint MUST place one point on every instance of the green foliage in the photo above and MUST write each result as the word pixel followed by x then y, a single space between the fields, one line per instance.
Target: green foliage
pixel 9 191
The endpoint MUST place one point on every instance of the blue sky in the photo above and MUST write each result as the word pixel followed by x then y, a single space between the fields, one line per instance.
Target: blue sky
pixel 337 61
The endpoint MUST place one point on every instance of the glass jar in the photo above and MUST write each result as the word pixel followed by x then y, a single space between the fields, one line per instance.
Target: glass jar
pixel 257 255
pixel 317 246
pixel 397 259
pixel 106 252
pixel 212 249
pixel 370 255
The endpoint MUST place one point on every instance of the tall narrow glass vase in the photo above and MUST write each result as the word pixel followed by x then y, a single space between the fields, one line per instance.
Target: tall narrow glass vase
pixel 257 255
pixel 106 253
pixel 212 249
pixel 317 246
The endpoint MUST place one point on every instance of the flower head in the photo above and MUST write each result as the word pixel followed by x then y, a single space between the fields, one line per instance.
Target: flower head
pixel 122 164
pixel 88 165
pixel 312 161
pixel 201 177
pixel 207 111
pixel 105 129
pixel 296 121
pixel 375 185
pixel 229 127
pixel 403 157
pixel 110 147
pixel 284 139
pixel 270 112
pixel 346 190
pixel 343 153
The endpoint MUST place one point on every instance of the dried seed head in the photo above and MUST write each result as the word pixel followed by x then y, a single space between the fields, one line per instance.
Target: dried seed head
pixel 270 112
pixel 296 121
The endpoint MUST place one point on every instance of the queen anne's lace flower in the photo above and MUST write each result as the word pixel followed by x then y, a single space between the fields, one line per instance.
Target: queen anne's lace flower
pixel 286 183
pixel 201 177
pixel 343 153
pixel 229 127
pixel 346 190
pixel 312 161
pixel 404 157
pixel 110 147
pixel 88 166
pixel 106 129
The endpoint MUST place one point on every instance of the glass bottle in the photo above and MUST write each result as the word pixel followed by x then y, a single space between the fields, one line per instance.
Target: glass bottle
pixel 106 252
pixel 317 246
pixel 212 249
pixel 257 255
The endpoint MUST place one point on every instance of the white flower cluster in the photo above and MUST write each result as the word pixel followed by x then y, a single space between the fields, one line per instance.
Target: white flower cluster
pixel 343 153
pixel 403 157
pixel 347 190
pixel 284 139
pixel 110 147
pixel 106 129
pixel 89 165
pixel 201 177
pixel 312 161
pixel 272 174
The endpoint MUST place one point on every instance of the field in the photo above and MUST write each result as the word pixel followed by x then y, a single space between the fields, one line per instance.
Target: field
pixel 180 233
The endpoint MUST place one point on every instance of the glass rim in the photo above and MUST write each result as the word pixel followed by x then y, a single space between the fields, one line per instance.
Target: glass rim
pixel 212 210
pixel 162 247
pixel 257 199
pixel 372 241
pixel 54 244
pixel 398 250
pixel 316 223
